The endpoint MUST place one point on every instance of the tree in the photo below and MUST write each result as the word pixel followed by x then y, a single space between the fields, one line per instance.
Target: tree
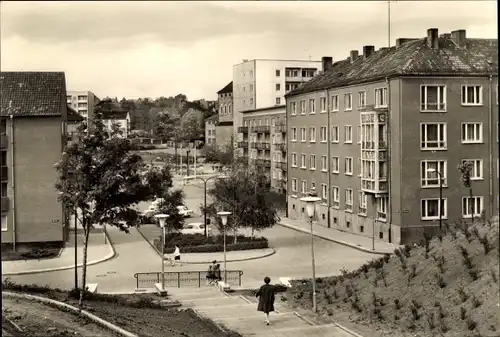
pixel 224 155
pixel 166 128
pixel 248 195
pixel 168 206
pixel 192 129
pixel 465 170
pixel 100 176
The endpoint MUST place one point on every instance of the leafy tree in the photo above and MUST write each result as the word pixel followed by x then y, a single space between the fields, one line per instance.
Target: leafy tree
pixel 248 195
pixel 166 128
pixel 465 170
pixel 100 176
pixel 168 206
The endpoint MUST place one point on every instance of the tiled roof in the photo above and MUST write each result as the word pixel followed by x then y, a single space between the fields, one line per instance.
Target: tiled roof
pixel 212 118
pixel 74 116
pixel 414 57
pixel 227 89
pixel 32 93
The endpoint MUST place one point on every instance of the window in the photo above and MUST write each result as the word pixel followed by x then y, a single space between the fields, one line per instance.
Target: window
pixel 324 192
pixel 348 134
pixel 381 98
pixel 362 99
pixel 303 107
pixel 4 222
pixel 303 134
pixel 348 166
pixel 433 136
pixel 313 186
pixel 278 100
pixel 335 134
pixel 294 134
pixel 477 168
pixel 304 186
pixel 312 105
pixel 348 199
pixel 322 104
pixel 382 208
pixel 251 86
pixel 335 165
pixel 312 162
pixel 431 208
pixel 472 95
pixel 472 133
pixel 303 161
pixel 294 160
pixel 277 73
pixel 359 134
pixel 360 168
pixel 324 162
pixel 323 134
pixel 336 196
pixel 293 108
pixel 348 102
pixel 251 100
pixel 433 98
pixel 312 134
pixel 471 207
pixel 334 103
pixel 430 170
pixel 363 202
pixel 278 86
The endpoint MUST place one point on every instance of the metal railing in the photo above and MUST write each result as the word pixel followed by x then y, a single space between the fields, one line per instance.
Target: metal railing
pixel 179 279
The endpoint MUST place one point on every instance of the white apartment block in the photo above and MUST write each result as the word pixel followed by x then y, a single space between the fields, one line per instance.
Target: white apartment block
pixel 83 102
pixel 263 83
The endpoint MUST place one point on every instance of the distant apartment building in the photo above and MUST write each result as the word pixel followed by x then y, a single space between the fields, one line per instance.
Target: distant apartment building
pixel 210 130
pixel 264 143
pixel 262 83
pixel 83 102
pixel 224 129
pixel 33 117
pixel 375 135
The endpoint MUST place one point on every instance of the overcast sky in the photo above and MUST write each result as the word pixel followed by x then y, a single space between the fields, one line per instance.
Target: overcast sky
pixel 150 49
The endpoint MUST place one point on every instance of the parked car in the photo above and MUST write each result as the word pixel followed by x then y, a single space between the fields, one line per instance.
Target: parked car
pixel 184 211
pixel 155 205
pixel 194 228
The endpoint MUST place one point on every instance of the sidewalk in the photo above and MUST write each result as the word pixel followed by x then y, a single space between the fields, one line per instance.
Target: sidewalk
pixel 97 252
pixel 359 242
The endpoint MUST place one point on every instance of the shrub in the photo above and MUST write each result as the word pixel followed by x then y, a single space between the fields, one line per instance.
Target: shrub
pixel 494 275
pixel 471 324
pixel 415 315
pixel 413 270
pixel 427 242
pixel 397 304
pixel 407 250
pixel 463 313
pixel 462 294
pixel 444 328
pixel 476 302
pixel 440 263
pixel 38 253
pixel 440 280
pixel 280 288
pixel 197 243
pixel 386 258
pixel 465 257
pixel 431 321
pixel 486 244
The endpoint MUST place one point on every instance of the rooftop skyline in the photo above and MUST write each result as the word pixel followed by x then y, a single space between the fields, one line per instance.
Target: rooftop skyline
pixel 139 49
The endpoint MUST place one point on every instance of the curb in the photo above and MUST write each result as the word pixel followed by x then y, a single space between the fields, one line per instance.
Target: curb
pixel 108 257
pixel 73 310
pixel 355 334
pixel 344 243
pixel 208 262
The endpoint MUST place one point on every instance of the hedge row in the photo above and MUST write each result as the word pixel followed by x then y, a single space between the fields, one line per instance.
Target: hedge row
pixel 260 243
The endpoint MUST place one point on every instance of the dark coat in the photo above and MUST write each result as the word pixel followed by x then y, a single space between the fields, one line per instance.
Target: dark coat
pixel 266 298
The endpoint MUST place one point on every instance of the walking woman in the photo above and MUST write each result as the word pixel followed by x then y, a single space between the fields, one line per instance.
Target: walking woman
pixel 266 298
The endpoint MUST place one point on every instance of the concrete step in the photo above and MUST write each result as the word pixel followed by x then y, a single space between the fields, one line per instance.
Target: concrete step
pixel 244 311
pixel 213 301
pixel 252 324
pixel 328 330
pixel 197 293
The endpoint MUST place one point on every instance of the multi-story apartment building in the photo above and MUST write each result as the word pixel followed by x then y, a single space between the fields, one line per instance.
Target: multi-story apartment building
pixel 113 114
pixel 33 117
pixel 377 134
pixel 83 102
pixel 264 142
pixel 210 130
pixel 262 83
pixel 224 128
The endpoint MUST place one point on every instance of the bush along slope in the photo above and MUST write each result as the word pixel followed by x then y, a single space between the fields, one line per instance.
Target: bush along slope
pixel 447 287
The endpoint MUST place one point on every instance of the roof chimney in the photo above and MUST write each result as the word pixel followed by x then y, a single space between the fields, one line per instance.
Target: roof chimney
pixel 327 62
pixel 432 38
pixel 354 55
pixel 459 37
pixel 367 51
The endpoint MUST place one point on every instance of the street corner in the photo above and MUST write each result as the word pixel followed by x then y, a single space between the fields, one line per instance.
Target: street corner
pixel 235 256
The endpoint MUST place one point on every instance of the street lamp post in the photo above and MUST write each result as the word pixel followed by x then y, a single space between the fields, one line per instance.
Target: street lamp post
pixel 161 219
pixel 223 216
pixel 440 207
pixel 311 201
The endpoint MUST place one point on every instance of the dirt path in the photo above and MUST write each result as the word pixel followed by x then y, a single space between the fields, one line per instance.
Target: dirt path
pixel 36 319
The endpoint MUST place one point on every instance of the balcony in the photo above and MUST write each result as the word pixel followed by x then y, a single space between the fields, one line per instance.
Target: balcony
pixel 4 173
pixel 277 165
pixel 336 204
pixel 283 166
pixel 263 162
pixel 4 141
pixel 261 129
pixel 5 204
pixel 261 146
pixel 280 128
pixel 243 145
pixel 242 129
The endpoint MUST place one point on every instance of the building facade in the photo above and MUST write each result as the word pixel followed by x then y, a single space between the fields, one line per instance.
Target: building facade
pixel 73 121
pixel 113 114
pixel 264 142
pixel 263 83
pixel 210 130
pixel 33 134
pixel 379 135
pixel 224 129
pixel 83 102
